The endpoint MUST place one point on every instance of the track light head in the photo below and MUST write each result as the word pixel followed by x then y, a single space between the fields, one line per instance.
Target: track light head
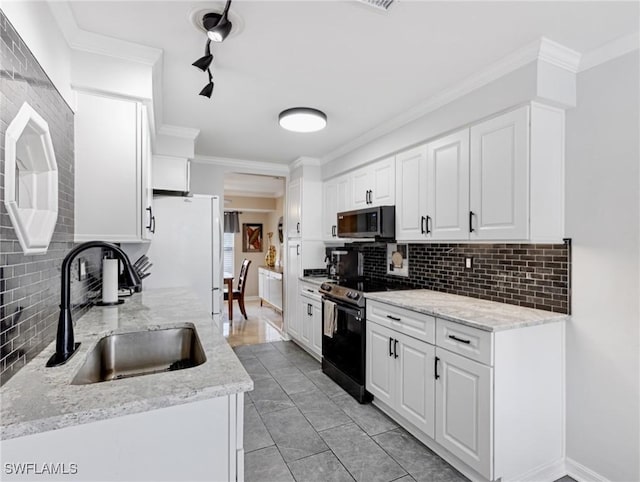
pixel 218 25
pixel 207 90
pixel 204 62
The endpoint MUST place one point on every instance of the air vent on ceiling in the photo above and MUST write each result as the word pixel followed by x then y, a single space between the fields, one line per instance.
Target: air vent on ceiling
pixel 378 4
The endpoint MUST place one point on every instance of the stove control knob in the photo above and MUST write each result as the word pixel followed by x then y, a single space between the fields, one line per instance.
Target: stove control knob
pixel 353 295
pixel 325 286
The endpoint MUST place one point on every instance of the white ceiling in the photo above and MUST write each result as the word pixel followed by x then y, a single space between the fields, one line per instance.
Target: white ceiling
pixel 360 66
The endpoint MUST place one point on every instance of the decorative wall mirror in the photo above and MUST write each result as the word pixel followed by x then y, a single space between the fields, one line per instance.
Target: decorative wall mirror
pixel 280 234
pixel 31 180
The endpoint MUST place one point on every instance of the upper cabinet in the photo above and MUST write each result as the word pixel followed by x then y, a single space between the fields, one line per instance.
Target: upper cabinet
pixel 113 191
pixel 336 197
pixel 374 185
pixel 501 179
pixel 294 209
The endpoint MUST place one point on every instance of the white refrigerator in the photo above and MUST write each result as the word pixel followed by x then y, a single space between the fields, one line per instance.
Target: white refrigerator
pixel 186 249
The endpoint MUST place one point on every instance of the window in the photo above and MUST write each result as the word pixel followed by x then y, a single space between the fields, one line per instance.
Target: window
pixel 227 263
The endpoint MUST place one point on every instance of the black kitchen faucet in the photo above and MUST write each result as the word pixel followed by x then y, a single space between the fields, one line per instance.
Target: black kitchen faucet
pixel 65 343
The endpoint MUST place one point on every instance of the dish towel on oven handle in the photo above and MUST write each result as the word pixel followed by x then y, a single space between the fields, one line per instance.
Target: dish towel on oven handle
pixel 329 317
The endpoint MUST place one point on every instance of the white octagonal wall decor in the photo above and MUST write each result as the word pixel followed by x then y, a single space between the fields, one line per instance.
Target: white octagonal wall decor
pixel 31 180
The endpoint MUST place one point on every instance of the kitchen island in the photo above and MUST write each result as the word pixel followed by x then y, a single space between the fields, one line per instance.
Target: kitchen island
pixel 177 425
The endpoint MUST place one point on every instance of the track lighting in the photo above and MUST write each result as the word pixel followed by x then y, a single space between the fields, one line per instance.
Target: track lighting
pixel 218 26
pixel 204 62
pixel 302 119
pixel 208 89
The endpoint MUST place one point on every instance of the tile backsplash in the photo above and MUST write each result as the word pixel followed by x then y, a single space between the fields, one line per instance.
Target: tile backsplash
pixel 531 275
pixel 30 285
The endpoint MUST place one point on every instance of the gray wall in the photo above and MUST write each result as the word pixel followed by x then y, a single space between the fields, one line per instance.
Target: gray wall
pixel 603 219
pixel 30 285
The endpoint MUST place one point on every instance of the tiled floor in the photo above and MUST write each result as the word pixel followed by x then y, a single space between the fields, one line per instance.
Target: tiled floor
pixel 263 324
pixel 300 425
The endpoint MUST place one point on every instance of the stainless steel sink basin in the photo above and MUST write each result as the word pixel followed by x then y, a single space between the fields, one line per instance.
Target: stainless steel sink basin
pixel 126 355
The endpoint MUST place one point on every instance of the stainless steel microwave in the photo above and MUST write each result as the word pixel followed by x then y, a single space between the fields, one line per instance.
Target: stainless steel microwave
pixel 379 223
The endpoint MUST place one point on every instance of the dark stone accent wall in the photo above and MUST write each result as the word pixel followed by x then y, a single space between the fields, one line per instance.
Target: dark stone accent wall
pixel 530 275
pixel 30 285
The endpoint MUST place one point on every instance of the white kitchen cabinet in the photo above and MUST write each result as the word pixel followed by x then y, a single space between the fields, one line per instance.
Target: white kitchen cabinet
pixel 400 373
pixel 374 184
pixel 171 173
pixel 411 193
pixel 270 287
pixel 310 313
pixel 489 402
pixel 448 187
pixel 499 178
pixel 294 209
pixel 293 268
pixel 336 197
pixel 112 170
pixel 464 418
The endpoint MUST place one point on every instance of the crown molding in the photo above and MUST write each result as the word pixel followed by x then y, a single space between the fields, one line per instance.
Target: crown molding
pixel 179 131
pixel 243 165
pixel 610 51
pixel 85 41
pixel 541 49
pixel 305 161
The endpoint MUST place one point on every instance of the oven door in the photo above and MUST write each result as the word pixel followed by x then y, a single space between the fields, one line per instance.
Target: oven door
pixel 346 349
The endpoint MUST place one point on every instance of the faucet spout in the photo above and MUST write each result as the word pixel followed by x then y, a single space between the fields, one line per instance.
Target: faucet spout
pixel 65 342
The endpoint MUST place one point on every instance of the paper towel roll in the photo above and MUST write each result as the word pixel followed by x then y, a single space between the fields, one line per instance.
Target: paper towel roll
pixel 109 280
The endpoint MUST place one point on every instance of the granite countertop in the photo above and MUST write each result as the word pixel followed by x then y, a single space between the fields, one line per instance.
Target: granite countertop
pixel 482 314
pixel 316 280
pixel 39 399
pixel 275 269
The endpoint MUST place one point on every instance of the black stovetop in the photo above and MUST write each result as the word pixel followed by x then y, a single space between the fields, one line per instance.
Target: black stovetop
pixel 366 285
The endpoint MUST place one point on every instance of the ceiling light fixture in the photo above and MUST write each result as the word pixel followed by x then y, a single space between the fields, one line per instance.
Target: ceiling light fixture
pixel 218 26
pixel 302 119
pixel 208 89
pixel 204 62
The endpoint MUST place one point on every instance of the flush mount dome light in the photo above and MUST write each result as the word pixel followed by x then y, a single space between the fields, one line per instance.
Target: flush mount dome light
pixel 302 119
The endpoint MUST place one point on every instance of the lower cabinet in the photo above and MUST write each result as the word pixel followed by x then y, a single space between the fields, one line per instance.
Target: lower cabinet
pixel 400 373
pixel 489 402
pixel 309 333
pixel 270 287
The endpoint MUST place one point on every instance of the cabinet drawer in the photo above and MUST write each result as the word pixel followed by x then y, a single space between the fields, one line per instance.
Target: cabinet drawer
pixel 412 323
pixel 310 291
pixel 465 340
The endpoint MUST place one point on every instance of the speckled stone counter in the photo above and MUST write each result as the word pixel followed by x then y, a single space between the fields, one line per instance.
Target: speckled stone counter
pixel 39 399
pixel 275 269
pixel 482 314
pixel 316 280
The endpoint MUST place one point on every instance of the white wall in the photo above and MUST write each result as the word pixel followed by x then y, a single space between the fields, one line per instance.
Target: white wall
pixel 603 219
pixel 36 25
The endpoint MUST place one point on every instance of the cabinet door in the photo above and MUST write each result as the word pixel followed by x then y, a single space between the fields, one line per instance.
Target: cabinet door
pixel 261 284
pixel 381 369
pixel 361 185
pixel 148 219
pixel 416 383
pixel 463 410
pixel 411 194
pixel 294 202
pixel 293 321
pixel 383 183
pixel 316 329
pixel 344 193
pixel 108 198
pixel 499 177
pixel 275 290
pixel 448 187
pixel 306 315
pixel 329 209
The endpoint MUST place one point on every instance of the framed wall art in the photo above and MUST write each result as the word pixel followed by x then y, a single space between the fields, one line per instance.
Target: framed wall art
pixel 252 237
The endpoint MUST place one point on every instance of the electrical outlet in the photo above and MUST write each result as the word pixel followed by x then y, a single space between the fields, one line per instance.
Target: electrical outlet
pixel 468 262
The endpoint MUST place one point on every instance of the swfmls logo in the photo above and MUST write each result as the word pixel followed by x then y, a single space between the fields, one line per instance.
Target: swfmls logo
pixel 30 468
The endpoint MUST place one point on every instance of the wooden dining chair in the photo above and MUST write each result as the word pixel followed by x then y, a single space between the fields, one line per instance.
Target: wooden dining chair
pixel 238 294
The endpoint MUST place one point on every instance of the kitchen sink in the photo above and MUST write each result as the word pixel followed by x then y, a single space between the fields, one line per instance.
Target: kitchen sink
pixel 126 355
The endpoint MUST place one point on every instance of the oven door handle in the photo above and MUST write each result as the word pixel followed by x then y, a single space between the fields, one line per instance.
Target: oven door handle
pixel 342 307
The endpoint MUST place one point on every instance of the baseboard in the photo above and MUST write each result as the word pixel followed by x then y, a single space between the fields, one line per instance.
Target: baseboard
pixel 547 472
pixel 251 298
pixel 581 473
